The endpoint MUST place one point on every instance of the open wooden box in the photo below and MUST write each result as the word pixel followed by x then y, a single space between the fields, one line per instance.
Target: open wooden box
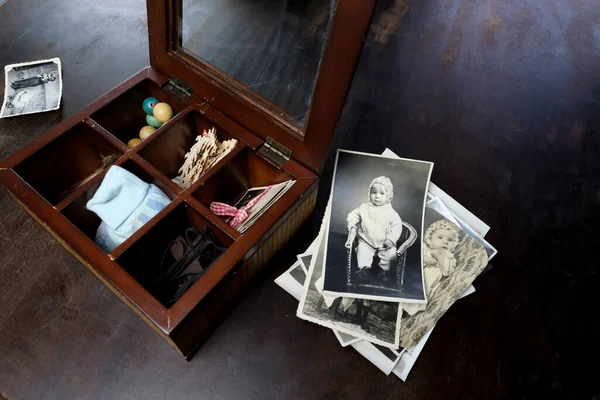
pixel 274 145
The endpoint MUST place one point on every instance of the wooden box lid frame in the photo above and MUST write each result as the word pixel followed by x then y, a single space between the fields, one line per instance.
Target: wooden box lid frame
pixel 347 33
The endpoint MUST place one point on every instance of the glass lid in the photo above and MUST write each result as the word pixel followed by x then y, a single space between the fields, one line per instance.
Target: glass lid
pixel 272 47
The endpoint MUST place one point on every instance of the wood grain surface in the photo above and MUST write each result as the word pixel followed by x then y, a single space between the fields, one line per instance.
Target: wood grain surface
pixel 502 95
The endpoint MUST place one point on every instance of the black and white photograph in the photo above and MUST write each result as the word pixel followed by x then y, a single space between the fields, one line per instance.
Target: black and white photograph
pixel 345 339
pixel 373 244
pixel 305 260
pixel 437 204
pixel 32 87
pixel 383 358
pixel 292 280
pixel 452 261
pixel 375 321
pixel 457 209
pixel 298 274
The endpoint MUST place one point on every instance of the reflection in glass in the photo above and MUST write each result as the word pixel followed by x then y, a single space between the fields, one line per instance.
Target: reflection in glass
pixel 272 46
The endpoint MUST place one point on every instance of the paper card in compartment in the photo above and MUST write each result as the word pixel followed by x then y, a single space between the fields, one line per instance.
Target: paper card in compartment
pixel 262 205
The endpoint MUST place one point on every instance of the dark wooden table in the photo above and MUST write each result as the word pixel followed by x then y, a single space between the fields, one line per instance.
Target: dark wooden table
pixel 502 95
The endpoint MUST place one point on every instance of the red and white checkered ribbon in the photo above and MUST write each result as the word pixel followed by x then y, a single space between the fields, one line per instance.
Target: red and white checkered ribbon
pixel 239 215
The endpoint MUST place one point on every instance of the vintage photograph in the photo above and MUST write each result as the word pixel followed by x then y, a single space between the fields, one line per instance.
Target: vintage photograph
pixel 345 339
pixel 383 358
pixel 32 88
pixel 452 260
pixel 305 260
pixel 298 274
pixel 375 321
pixel 438 205
pixel 457 209
pixel 292 280
pixel 373 244
pixel 410 354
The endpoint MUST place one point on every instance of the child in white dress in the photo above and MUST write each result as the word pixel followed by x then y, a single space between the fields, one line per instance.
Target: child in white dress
pixel 378 227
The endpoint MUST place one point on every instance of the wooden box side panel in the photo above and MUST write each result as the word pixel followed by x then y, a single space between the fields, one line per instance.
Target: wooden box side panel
pixel 205 318
pixel 97 274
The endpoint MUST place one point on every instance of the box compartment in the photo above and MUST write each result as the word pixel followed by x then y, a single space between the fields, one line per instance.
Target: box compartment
pixel 124 116
pixel 166 152
pixel 86 220
pixel 69 160
pixel 142 260
pixel 245 170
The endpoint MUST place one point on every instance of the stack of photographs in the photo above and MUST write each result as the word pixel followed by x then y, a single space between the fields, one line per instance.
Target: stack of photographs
pixel 387 312
pixel 268 196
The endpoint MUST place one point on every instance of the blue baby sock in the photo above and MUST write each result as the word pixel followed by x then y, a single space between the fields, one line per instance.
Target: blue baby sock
pixel 124 203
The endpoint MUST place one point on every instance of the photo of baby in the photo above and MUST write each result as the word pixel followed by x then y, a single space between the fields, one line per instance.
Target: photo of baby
pixel 441 239
pixel 452 261
pixel 374 238
pixel 439 243
pixel 378 227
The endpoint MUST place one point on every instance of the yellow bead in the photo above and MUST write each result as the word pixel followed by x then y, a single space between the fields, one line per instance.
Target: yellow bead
pixel 162 112
pixel 133 142
pixel 146 131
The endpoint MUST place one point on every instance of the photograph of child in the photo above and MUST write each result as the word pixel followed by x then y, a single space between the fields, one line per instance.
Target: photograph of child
pixel 32 87
pixel 375 321
pixel 373 245
pixel 440 241
pixel 453 259
pixel 378 227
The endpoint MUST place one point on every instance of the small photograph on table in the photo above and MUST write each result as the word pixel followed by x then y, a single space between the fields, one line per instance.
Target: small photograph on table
pixel 32 87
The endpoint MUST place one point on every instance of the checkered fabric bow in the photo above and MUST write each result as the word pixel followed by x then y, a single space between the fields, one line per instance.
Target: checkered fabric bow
pixel 239 215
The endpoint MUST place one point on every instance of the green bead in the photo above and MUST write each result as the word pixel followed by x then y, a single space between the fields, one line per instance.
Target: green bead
pixel 149 104
pixel 150 120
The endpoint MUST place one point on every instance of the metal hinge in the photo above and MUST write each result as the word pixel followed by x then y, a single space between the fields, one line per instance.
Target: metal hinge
pixel 274 152
pixel 179 88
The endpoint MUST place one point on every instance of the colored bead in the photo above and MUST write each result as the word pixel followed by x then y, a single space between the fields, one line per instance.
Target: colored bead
pixel 150 120
pixel 149 104
pixel 162 112
pixel 146 131
pixel 133 142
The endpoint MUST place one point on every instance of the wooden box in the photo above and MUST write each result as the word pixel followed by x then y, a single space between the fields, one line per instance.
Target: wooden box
pixel 274 145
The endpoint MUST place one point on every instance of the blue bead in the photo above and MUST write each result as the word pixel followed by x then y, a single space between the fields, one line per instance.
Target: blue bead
pixel 149 104
pixel 150 120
